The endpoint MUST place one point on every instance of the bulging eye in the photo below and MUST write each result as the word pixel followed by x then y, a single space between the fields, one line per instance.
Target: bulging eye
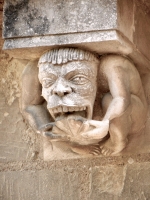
pixel 79 79
pixel 47 82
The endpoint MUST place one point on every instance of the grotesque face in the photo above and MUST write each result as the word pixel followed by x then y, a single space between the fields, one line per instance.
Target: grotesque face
pixel 69 88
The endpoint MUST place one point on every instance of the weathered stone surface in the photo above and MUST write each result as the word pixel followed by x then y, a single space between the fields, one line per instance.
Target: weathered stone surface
pixel 127 182
pixel 121 183
pixel 43 185
pixel 141 34
pixel 30 17
pixel 17 141
pixel 80 19
pixel 108 180
pixel 11 126
pixel 125 10
pixel 101 42
pixel 137 184
pixel 35 27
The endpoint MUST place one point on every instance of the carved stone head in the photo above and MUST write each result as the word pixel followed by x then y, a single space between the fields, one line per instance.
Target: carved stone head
pixel 69 81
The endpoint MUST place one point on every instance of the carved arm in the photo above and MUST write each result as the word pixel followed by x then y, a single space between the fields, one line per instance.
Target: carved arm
pixel 31 101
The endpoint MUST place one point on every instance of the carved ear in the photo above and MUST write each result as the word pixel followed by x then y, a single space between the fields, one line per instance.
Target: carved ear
pixel 31 87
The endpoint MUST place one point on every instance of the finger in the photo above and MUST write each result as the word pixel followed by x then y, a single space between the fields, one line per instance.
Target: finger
pixel 52 135
pixel 84 127
pixel 96 133
pixel 62 127
pixel 98 123
pixel 58 131
pixel 94 153
pixel 48 126
pixel 74 126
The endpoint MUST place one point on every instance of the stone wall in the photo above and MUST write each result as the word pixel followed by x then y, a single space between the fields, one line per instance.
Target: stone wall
pixel 25 176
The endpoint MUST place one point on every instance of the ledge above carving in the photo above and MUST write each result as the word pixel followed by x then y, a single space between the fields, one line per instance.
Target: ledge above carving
pixel 100 42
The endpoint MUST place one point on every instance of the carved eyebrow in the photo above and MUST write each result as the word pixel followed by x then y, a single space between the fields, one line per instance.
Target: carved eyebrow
pixel 77 71
pixel 47 68
pixel 47 75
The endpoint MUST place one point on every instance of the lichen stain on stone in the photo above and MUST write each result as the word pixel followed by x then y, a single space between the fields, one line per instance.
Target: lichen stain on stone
pixel 11 17
pixel 22 14
pixel 108 180
pixel 10 79
pixel 35 22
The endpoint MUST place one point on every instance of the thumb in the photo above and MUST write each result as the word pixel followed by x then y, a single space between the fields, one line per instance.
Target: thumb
pixel 99 123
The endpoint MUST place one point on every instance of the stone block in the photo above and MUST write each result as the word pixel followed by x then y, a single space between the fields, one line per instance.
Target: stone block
pixel 31 18
pixel 107 182
pixel 32 27
pixel 137 184
pixel 121 182
pixel 43 185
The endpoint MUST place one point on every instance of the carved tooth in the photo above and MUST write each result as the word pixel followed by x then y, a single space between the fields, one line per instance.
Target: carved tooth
pixel 81 56
pixel 71 109
pixel 52 113
pixel 65 109
pixel 50 57
pixel 84 108
pixel 76 109
pixel 81 108
pixel 55 110
pixel 59 58
pixel 60 109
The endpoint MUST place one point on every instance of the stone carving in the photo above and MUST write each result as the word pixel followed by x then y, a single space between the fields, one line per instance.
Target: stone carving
pixel 59 95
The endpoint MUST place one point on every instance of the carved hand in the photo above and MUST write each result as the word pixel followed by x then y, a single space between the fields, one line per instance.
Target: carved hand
pixel 46 130
pixel 80 130
pixel 99 131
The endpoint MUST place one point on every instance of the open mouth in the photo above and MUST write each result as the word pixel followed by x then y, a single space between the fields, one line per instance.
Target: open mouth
pixel 60 111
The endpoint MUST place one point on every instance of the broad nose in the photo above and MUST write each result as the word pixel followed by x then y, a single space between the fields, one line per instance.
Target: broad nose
pixel 62 88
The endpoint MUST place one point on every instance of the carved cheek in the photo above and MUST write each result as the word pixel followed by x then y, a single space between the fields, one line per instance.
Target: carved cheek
pixel 46 92
pixel 86 90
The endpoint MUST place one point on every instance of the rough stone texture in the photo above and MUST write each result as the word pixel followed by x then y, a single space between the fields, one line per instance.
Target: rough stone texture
pixel 82 24
pixel 126 18
pixel 136 184
pixel 101 185
pixel 142 27
pixel 100 42
pixel 17 141
pixel 125 183
pixel 42 185
pixel 30 17
pixel 33 18
pixel 129 182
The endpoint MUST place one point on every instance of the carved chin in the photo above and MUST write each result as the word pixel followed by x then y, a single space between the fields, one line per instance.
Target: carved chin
pixel 60 111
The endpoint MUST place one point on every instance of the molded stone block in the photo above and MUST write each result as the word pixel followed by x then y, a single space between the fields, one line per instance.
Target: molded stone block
pixel 31 18
pixel 111 26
